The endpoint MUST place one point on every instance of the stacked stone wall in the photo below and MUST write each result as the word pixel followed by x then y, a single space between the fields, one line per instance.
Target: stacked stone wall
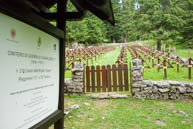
pixel 75 85
pixel 157 89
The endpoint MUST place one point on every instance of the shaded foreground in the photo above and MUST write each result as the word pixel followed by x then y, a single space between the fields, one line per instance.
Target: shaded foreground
pixel 128 113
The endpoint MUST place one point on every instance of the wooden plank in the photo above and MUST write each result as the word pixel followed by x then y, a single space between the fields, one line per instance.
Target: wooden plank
pixel 114 77
pixel 93 78
pixel 189 68
pixel 120 77
pixel 109 78
pixel 165 69
pixel 84 79
pixel 126 77
pixel 104 79
pixel 61 24
pixel 87 79
pixel 98 78
pixel 53 118
pixel 130 78
pixel 70 16
pixel 178 64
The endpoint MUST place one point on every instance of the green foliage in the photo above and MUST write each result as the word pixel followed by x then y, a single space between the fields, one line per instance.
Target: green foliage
pixel 169 21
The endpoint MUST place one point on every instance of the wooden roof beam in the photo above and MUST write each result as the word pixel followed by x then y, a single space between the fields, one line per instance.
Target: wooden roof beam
pixel 70 16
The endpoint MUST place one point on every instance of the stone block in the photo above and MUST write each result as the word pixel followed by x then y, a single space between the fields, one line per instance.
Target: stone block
pixel 155 89
pixel 77 77
pixel 163 84
pixel 174 83
pixel 136 89
pixel 189 90
pixel 137 62
pixel 136 68
pixel 161 90
pixel 148 83
pixel 182 90
pixel 138 84
pixel 77 73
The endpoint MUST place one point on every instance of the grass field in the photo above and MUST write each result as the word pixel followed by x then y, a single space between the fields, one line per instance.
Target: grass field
pixel 149 74
pixel 128 114
pixel 172 74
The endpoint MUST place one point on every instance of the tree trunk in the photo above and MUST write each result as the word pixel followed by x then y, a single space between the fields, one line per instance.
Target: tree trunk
pixel 159 45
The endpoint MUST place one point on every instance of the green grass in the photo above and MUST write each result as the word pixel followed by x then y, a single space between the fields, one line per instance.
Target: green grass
pixel 107 59
pixel 172 74
pixel 128 114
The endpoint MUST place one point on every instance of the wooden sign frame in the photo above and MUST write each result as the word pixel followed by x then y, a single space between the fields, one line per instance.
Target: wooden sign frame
pixel 19 10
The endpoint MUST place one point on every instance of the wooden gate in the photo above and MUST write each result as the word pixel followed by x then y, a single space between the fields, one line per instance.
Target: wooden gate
pixel 107 78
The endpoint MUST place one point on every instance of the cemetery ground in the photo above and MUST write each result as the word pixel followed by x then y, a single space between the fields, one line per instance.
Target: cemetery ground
pixel 83 112
pixel 128 113
pixel 110 58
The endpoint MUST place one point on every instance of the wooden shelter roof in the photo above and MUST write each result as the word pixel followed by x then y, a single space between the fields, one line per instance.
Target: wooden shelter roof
pixel 100 8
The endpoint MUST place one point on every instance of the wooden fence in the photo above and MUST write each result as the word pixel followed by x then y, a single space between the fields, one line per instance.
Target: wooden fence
pixel 107 78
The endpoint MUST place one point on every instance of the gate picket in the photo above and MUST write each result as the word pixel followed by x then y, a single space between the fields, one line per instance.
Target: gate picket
pixel 126 77
pixel 98 79
pixel 87 79
pixel 114 78
pixel 109 78
pixel 101 79
pixel 104 78
pixel 93 78
pixel 120 77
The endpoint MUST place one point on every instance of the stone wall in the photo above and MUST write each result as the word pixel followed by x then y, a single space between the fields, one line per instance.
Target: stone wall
pixel 157 89
pixel 75 85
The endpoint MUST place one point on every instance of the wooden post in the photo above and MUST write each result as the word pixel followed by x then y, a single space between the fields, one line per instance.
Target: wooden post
pixel 87 79
pixel 72 65
pixel 93 78
pixel 143 62
pixel 152 59
pixel 168 58
pixel 189 68
pixel 130 80
pixel 158 64
pixel 61 24
pixel 84 78
pixel 120 77
pixel 165 69
pixel 109 78
pixel 114 69
pixel 98 78
pixel 178 64
pixel 125 67
pixel 104 79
